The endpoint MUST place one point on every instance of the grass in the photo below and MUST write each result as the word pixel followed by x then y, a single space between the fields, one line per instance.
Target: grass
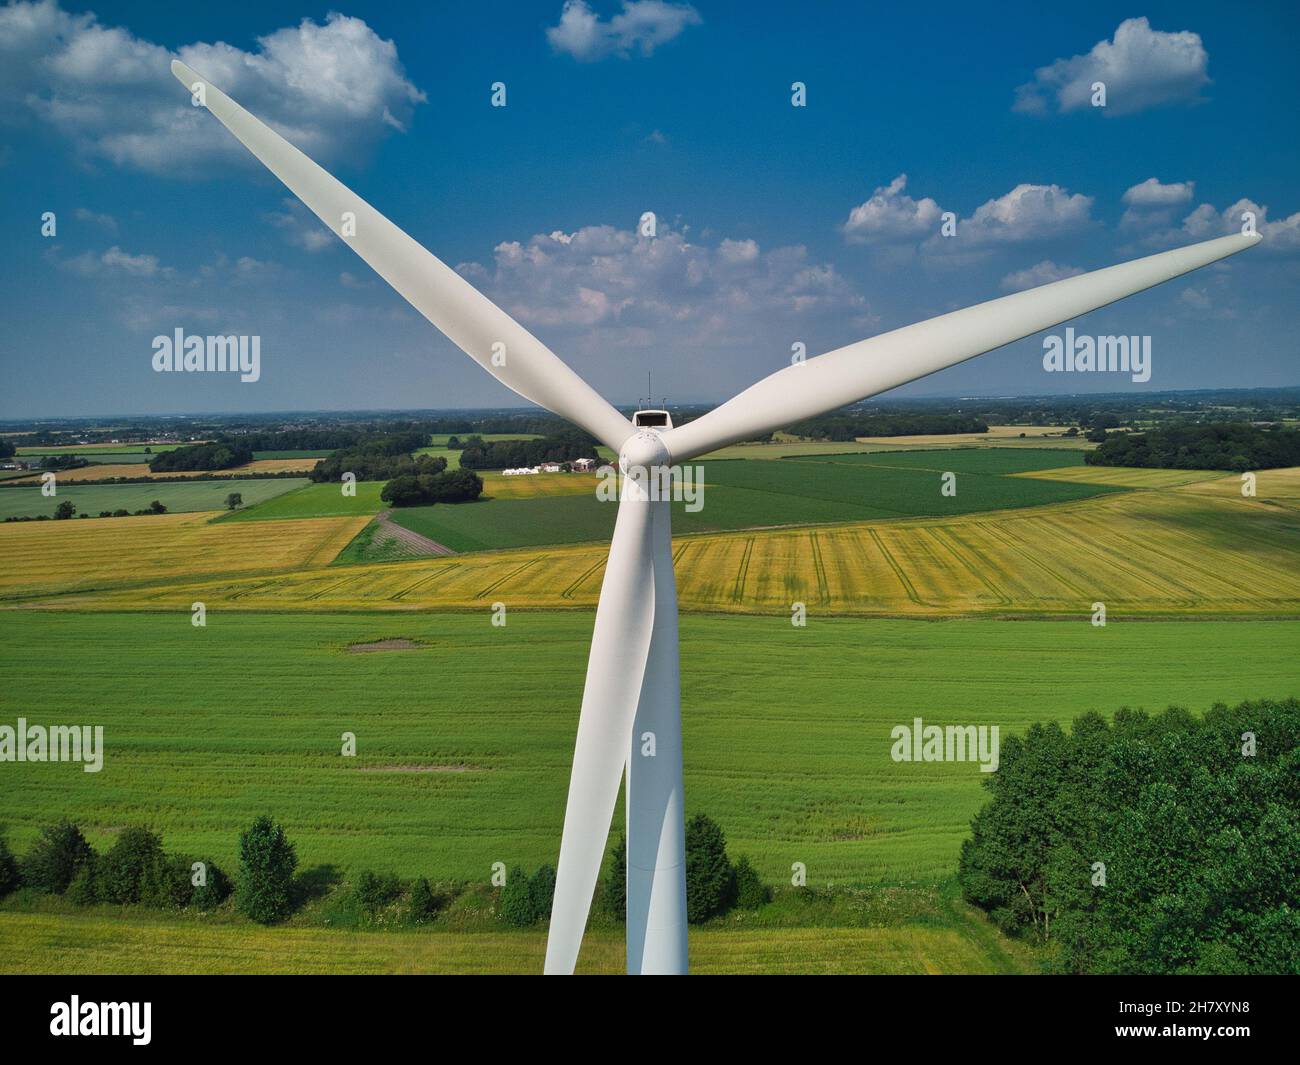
pixel 980 461
pixel 315 501
pixel 84 943
pixel 1196 551
pixel 58 557
pixel 178 496
pixel 787 730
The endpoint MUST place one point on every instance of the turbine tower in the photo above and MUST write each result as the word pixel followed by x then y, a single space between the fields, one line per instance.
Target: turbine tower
pixel 633 682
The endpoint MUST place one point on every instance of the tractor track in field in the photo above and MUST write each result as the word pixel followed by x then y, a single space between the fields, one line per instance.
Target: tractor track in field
pixel 412 543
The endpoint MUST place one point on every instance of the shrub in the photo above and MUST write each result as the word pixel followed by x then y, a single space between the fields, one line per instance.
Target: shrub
pixel 57 855
pixel 542 890
pixel 710 879
pixel 516 903
pixel 751 892
pixel 613 896
pixel 423 902
pixel 168 883
pixel 213 891
pixel 373 891
pixel 83 890
pixel 129 863
pixel 266 865
pixel 9 878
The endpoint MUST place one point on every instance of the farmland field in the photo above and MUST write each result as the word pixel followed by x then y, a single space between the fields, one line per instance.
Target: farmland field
pixel 53 557
pixel 105 471
pixel 150 943
pixel 315 501
pixel 1194 551
pixel 177 496
pixel 787 730
pixel 746 494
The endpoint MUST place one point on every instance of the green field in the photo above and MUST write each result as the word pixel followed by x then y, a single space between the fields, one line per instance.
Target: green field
pixel 787 731
pixel 743 494
pixel 986 461
pixel 291 454
pixel 177 496
pixel 315 501
pixel 955 940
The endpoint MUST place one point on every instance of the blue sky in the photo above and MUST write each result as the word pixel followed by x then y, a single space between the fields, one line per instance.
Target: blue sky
pixel 775 224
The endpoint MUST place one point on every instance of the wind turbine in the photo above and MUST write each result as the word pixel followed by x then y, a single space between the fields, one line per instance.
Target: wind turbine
pixel 632 684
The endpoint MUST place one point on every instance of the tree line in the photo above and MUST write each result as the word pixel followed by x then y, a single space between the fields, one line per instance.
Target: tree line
pixel 1233 446
pixel 845 426
pixel 1159 843
pixel 213 456
pixel 565 446
pixel 137 870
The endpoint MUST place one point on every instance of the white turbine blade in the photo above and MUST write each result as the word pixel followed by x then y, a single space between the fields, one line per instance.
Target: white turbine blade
pixel 473 322
pixel 620 646
pixel 870 367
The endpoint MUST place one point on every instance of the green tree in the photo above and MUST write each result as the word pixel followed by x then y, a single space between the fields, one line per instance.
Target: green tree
pixel 128 865
pixel 234 500
pixel 157 507
pixel 751 892
pixel 710 879
pixel 541 888
pixel 9 876
pixel 83 891
pixel 267 861
pixel 1156 844
pixel 168 883
pixel 373 891
pixel 423 902
pixel 613 895
pixel 56 856
pixel 516 902
pixel 65 510
pixel 214 890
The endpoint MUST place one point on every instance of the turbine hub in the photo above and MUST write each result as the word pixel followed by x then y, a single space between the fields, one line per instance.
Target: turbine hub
pixel 644 450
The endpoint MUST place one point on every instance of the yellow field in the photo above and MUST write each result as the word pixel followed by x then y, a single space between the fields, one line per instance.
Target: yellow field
pixel 1185 551
pixel 60 556
pixel 530 486
pixel 103 471
pixel 1124 476
pixel 1034 436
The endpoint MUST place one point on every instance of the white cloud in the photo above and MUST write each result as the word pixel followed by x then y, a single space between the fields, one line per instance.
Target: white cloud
pixel 1206 222
pixel 115 261
pixel 1141 68
pixel 1151 205
pixel 1026 214
pixel 1151 193
pixel 301 228
pixel 329 88
pixel 107 221
pixel 613 288
pixel 642 26
pixel 1043 273
pixel 891 216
